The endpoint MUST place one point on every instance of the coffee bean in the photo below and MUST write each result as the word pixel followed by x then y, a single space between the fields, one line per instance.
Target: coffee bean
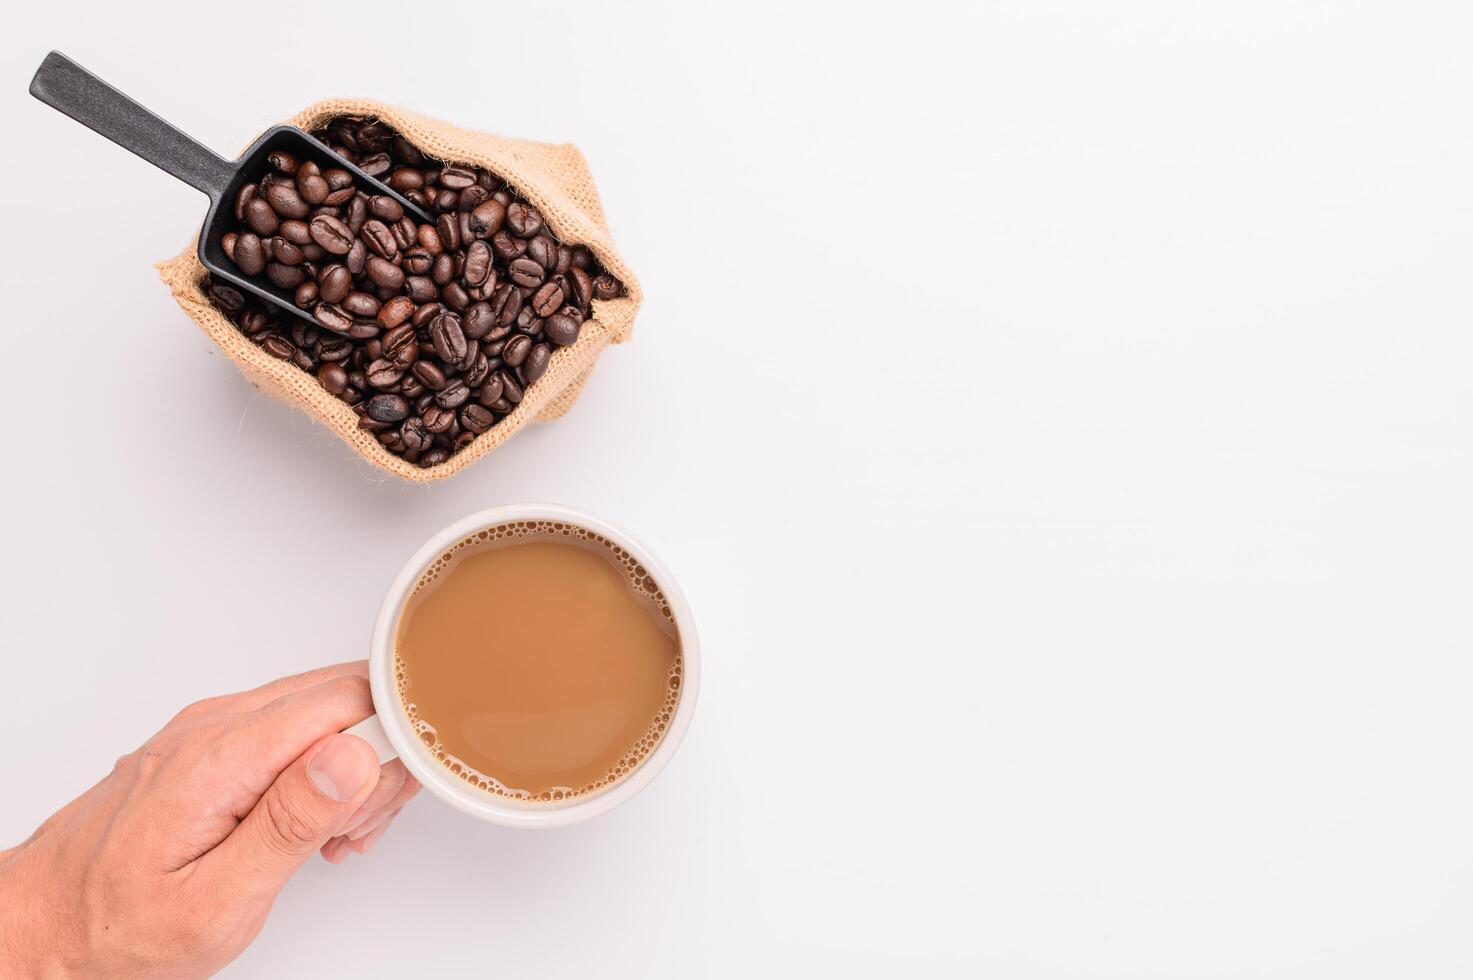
pixel 425 315
pixel 454 296
pixel 438 419
pixel 341 186
pixel 395 312
pixel 491 390
pixel 305 295
pixel 400 345
pixel 332 234
pixel 413 434
pixel 429 374
pixel 580 287
pixel 379 239
pixel 453 395
pixel 278 346
pixel 285 200
pixel 443 270
pixel 421 289
pixel 285 276
pixel 376 165
pixel 385 208
pixel 535 366
pixel 313 189
pixel 606 287
pixel 334 349
pixel 547 299
pixel 334 283
pixel 249 255
pixel 476 418
pixel 516 350
pixel 457 178
pixel 297 232
pixel 561 329
pixel 333 378
pixel 507 246
pixel 357 258
pixel 361 304
pixel 285 252
pixel 486 219
pixel 525 272
pixel 447 231
pixel 357 214
pixel 259 216
pixel 332 318
pixel 433 457
pixel 448 338
pixel 282 161
pixel 477 263
pixel 511 388
pixel 387 408
pixel 543 251
pixel 242 198
pixel 418 261
pixel 383 374
pixel 523 219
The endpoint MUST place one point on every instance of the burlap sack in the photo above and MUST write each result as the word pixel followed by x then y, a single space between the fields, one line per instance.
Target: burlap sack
pixel 553 177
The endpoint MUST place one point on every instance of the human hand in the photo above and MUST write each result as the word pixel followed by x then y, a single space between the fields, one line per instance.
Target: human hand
pixel 169 865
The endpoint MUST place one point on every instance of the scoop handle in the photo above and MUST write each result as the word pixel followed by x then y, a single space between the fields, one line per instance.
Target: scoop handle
pixel 68 87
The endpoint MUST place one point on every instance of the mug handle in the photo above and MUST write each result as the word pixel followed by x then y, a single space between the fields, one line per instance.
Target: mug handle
pixel 373 733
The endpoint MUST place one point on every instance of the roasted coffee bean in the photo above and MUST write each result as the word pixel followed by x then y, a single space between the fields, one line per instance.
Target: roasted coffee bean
pixel 313 188
pixel 491 390
pixel 384 273
pixel 249 255
pixel 433 457
pixel 332 234
pixel 411 387
pixel 424 316
pixel 429 374
pixel 341 184
pixel 405 233
pixel 228 298
pixel 376 165
pixel 387 408
pixel 429 239
pixel 507 246
pixel 457 178
pixel 421 289
pixel 333 378
pixel 448 338
pixel 486 218
pixel 379 239
pixel 305 295
pixel 242 198
pixel 385 208
pixel 447 231
pixel 299 233
pixel 525 272
pixel 511 387
pixel 443 270
pixel 478 368
pixel 477 263
pixel 606 287
pixel 412 433
pixel 259 216
pixel 528 321
pixel 383 374
pixel 476 418
pixel 334 283
pixel 580 287
pixel 400 346
pixel 282 161
pixel 438 419
pixel 418 261
pixel 357 214
pixel 454 296
pixel 332 318
pixel 285 276
pixel 523 219
pixel 453 395
pixel 406 179
pixel 479 320
pixel 547 299
pixel 361 304
pixel 501 406
pixel 278 346
pixel 357 258
pixel 561 329
pixel 285 252
pixel 506 303
pixel 334 349
pixel 535 366
pixel 285 201
pixel 363 330
pixel 395 312
pixel 543 250
pixel 516 350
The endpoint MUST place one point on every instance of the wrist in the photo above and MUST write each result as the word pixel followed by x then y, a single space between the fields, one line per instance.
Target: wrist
pixel 26 944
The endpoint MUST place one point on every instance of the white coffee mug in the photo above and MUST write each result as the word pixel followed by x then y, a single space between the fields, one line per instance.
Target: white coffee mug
pixel 389 731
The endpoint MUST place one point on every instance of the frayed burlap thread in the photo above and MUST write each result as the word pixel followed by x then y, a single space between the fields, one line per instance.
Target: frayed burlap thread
pixel 554 177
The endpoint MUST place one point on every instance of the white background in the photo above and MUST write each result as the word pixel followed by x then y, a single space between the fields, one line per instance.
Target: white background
pixel 1058 415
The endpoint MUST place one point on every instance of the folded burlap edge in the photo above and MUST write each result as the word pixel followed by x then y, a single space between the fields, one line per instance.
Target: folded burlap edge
pixel 554 177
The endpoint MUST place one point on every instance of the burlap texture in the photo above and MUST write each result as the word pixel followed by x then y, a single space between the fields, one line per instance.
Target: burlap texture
pixel 554 177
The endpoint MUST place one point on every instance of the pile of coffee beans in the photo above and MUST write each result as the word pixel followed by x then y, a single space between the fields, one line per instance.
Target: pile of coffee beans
pixel 431 332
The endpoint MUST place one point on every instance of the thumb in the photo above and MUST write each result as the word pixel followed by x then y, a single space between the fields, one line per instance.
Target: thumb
pixel 309 802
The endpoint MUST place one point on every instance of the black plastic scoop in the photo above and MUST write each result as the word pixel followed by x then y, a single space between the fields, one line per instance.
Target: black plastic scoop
pixel 65 85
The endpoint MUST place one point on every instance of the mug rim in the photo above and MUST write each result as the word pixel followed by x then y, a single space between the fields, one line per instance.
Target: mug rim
pixel 438 780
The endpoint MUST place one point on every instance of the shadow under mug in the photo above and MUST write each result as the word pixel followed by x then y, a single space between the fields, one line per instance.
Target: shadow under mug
pixel 389 731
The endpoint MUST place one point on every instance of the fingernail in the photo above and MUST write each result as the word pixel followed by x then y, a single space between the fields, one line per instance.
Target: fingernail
pixel 340 769
pixel 368 826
